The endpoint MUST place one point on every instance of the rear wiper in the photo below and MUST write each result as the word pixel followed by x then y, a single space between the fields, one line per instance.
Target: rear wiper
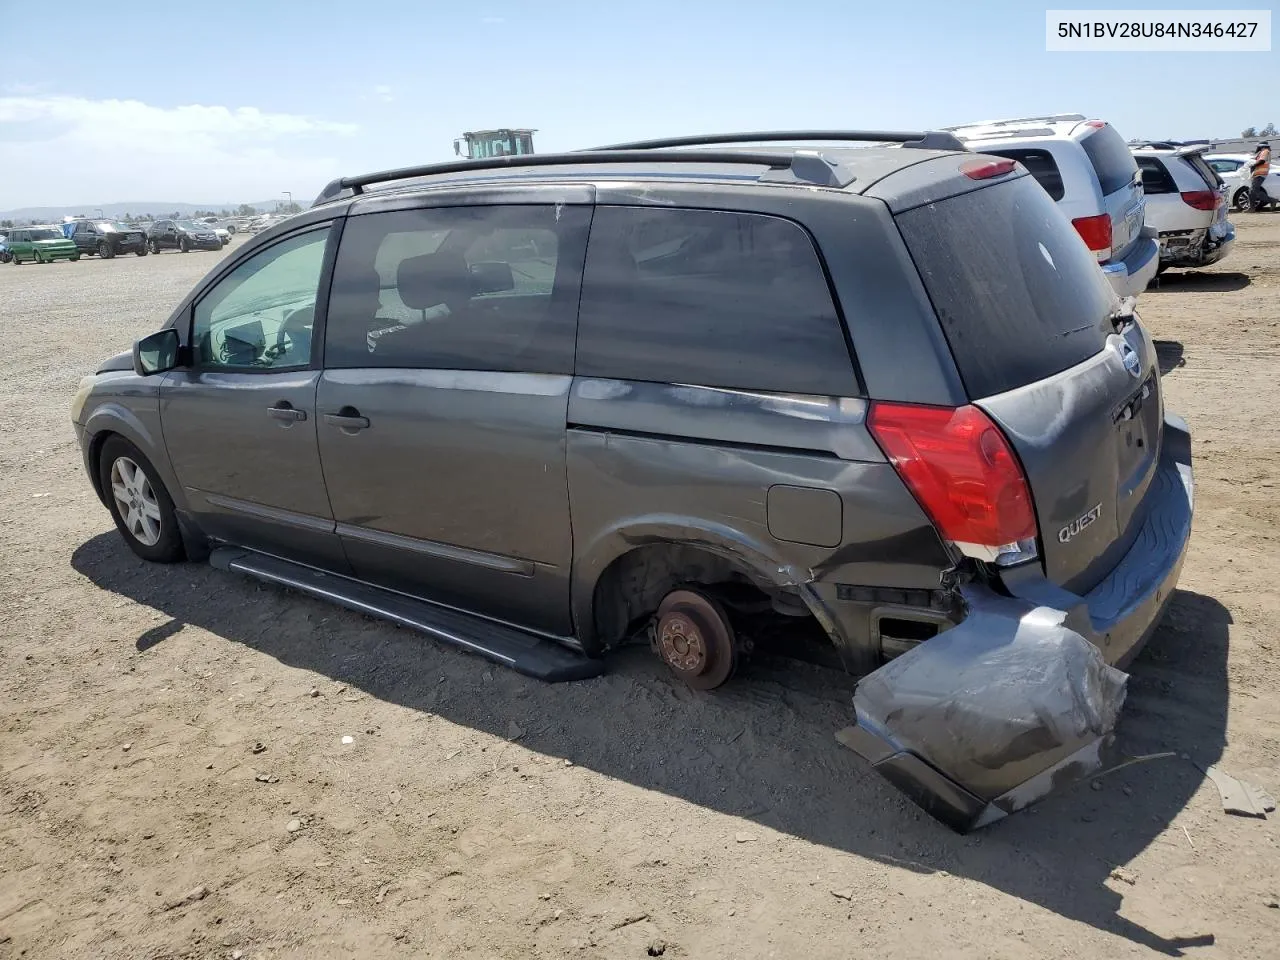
pixel 1124 314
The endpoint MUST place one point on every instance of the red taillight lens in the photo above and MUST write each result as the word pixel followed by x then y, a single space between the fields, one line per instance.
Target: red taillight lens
pixel 961 469
pixel 1201 199
pixel 1095 232
pixel 986 169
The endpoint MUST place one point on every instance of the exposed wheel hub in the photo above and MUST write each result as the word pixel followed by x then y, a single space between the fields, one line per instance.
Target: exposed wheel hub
pixel 693 636
pixel 682 644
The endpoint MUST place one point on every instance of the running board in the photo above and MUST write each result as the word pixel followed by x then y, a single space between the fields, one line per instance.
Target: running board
pixel 523 652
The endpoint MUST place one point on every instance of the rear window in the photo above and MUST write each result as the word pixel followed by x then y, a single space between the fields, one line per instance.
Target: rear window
pixel 1018 295
pixel 716 299
pixel 1041 165
pixel 1207 172
pixel 1155 178
pixel 1111 159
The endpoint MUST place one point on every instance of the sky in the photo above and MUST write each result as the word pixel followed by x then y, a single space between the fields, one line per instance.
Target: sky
pixel 236 101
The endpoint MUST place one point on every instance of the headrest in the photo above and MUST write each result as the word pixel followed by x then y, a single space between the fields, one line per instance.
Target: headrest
pixel 434 278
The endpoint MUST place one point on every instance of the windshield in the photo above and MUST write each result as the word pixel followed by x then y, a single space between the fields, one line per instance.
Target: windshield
pixel 189 225
pixel 45 235
pixel 113 226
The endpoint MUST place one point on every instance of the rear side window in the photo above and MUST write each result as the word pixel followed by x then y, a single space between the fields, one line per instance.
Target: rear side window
pixel 1018 295
pixel 1111 159
pixel 712 298
pixel 1155 178
pixel 458 288
pixel 1041 165
pixel 1226 166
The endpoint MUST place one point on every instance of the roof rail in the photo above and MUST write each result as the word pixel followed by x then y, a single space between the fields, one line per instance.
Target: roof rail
pixel 798 166
pixel 1050 118
pixel 924 140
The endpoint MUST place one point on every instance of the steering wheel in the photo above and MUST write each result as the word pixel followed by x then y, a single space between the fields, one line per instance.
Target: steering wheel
pixel 295 323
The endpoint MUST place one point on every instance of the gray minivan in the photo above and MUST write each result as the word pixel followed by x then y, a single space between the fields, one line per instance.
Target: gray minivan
pixel 540 406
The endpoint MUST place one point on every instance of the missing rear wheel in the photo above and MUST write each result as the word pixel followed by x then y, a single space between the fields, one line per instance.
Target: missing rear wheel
pixel 693 636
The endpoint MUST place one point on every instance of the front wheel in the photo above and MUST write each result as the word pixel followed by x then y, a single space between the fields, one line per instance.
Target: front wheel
pixel 1241 199
pixel 155 247
pixel 141 251
pixel 74 258
pixel 104 250
pixel 140 505
pixel 184 246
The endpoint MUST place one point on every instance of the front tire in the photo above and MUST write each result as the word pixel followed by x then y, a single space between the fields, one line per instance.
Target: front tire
pixel 141 251
pixel 184 246
pixel 1241 199
pixel 139 503
pixel 74 258
pixel 155 247
pixel 104 251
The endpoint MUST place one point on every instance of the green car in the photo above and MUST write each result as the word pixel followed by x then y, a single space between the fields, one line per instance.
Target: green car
pixel 41 244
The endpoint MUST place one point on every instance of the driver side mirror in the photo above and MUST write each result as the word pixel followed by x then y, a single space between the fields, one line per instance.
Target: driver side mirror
pixel 156 353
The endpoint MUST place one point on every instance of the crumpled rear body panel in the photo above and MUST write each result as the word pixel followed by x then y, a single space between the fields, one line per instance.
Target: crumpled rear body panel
pixel 990 716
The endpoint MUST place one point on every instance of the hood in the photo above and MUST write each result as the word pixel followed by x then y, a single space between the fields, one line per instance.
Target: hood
pixel 121 361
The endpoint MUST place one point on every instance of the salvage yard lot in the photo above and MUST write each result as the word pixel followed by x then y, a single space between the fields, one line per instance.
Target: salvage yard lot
pixel 174 780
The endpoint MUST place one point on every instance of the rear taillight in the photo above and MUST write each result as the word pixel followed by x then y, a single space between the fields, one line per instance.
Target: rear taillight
pixel 1095 232
pixel 961 469
pixel 1201 199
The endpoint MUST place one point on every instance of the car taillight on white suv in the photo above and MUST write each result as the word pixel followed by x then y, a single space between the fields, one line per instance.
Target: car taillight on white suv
pixel 1096 233
pixel 964 474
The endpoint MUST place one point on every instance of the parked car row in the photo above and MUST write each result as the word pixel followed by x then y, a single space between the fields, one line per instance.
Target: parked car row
pixel 1141 208
pixel 106 239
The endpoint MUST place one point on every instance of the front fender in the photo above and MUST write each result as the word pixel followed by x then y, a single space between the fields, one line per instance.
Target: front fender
pixel 132 410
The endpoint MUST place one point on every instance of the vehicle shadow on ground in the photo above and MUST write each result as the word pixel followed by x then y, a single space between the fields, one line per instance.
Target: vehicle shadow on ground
pixel 1169 354
pixel 761 748
pixel 1198 281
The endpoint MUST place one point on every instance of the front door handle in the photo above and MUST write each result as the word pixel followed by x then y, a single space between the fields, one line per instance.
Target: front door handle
pixel 285 411
pixel 347 419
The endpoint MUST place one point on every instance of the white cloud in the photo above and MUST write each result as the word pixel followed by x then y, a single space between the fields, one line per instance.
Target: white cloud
pixel 382 93
pixel 63 149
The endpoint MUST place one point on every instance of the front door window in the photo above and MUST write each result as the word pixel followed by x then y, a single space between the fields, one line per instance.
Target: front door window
pixel 261 314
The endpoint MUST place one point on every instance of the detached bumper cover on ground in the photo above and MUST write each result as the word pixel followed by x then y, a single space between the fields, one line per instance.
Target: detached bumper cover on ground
pixel 1017 700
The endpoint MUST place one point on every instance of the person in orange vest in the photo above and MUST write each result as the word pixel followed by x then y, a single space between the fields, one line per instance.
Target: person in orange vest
pixel 1259 168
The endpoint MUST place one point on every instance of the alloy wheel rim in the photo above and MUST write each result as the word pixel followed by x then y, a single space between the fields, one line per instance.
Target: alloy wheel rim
pixel 136 500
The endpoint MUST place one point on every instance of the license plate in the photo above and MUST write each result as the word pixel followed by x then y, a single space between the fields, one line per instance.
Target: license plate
pixel 1133 223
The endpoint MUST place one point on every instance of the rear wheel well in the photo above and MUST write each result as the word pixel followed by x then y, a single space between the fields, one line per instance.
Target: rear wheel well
pixel 631 588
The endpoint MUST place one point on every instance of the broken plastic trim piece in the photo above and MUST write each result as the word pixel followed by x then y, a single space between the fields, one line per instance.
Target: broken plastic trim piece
pixel 990 716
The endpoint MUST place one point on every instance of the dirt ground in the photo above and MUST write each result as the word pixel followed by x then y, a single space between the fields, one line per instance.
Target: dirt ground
pixel 479 814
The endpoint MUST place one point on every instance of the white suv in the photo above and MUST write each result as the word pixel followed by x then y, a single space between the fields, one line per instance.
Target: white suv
pixel 1186 203
pixel 1086 167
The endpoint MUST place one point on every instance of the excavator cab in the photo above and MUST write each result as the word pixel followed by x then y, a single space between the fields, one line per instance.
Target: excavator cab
pixel 485 144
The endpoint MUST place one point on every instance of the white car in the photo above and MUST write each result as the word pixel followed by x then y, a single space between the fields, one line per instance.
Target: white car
pixel 1233 168
pixel 1186 203
pixel 1086 167
pixel 223 234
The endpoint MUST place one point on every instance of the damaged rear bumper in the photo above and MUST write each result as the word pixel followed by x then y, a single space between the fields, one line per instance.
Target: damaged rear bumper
pixel 1018 699
pixel 1196 248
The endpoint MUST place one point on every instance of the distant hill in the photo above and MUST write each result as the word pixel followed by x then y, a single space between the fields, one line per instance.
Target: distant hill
pixel 116 210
